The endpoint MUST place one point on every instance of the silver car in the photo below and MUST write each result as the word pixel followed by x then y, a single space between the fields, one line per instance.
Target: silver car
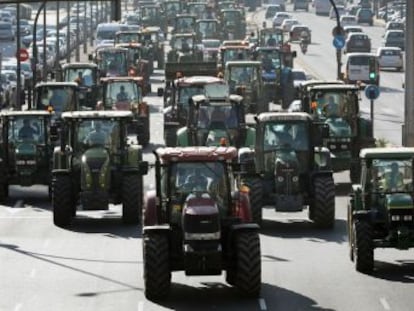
pixel 390 57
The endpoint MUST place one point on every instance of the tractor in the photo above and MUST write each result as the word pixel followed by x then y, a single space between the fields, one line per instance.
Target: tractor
pixel 153 15
pixel 128 100
pixel 112 61
pixel 184 49
pixel 152 41
pixel 233 22
pixel 207 29
pixel 235 50
pixel 381 208
pixel 287 168
pixel 25 149
pixel 171 9
pixel 337 105
pixel 184 23
pixel 178 96
pixel 198 222
pixel 245 78
pixel 216 122
pixel 86 75
pixel 94 165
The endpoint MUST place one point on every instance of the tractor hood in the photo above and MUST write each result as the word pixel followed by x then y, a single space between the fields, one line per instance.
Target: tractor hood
pixel 201 205
pixel 269 75
pixel 286 158
pixel 399 201
pixel 338 127
pixel 25 149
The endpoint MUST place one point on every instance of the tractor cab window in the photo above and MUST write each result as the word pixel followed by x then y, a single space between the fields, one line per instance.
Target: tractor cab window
pixel 185 25
pixel 270 60
pixel 335 105
pixel 390 175
pixel 149 12
pixel 200 177
pixel 231 18
pixel 235 54
pixel 113 62
pixel 217 117
pixel 127 37
pixel 207 29
pixel 288 135
pixel 243 75
pixel 85 76
pixel 184 44
pixel 26 129
pixel 121 92
pixel 97 133
pixel 61 99
pixel 186 92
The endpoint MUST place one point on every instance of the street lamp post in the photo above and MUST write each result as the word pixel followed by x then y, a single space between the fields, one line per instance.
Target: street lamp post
pixel 18 69
pixel 35 54
pixel 338 50
pixel 77 33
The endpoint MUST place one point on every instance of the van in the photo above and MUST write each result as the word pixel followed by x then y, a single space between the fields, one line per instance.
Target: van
pixel 358 67
pixel 106 32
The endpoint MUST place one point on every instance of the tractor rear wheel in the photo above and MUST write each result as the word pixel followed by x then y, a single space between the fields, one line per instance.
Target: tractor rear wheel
pixel 247 276
pixel 363 246
pixel 157 274
pixel 256 199
pixel 132 199
pixel 323 206
pixel 62 201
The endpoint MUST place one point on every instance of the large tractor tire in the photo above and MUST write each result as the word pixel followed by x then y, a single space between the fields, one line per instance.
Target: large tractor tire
pixel 323 207
pixel 157 274
pixel 132 199
pixel 363 247
pixel 248 272
pixel 62 201
pixel 256 199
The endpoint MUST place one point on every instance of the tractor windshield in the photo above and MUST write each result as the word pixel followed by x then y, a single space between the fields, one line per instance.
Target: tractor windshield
pixel 388 175
pixel 186 92
pixel 243 76
pixel 184 25
pixel 204 177
pixel 150 12
pixel 207 29
pixel 127 37
pixel 120 93
pixel 85 76
pixel 26 129
pixel 60 98
pixel 184 44
pixel 113 63
pixel 231 18
pixel 217 117
pixel 334 104
pixel 271 60
pixel 235 54
pixel 286 135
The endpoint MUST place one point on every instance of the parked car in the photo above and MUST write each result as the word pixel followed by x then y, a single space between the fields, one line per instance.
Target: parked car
pixel 394 38
pixel 271 10
pixel 390 57
pixel 296 31
pixel 348 20
pixel 365 16
pixel 357 42
pixel 352 29
pixel 288 23
pixel 394 25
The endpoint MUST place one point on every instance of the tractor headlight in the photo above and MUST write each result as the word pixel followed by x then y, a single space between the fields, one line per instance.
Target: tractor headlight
pixel 295 178
pixel 280 178
pixel 344 146
pixel 395 217
pixel 332 147
pixel 408 218
pixel 20 162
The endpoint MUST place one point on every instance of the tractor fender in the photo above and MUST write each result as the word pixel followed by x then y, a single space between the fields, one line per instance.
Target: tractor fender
pixel 362 215
pixel 242 206
pixel 250 137
pixel 247 227
pixel 182 137
pixel 150 209
pixel 157 229
pixel 60 172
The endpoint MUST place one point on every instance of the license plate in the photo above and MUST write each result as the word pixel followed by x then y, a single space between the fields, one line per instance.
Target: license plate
pixel 355 71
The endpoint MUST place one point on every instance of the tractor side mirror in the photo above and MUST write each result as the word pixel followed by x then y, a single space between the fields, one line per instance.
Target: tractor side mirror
pixel 143 168
pixel 160 92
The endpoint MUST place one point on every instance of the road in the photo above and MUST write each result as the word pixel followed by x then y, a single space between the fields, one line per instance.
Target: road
pixel 96 264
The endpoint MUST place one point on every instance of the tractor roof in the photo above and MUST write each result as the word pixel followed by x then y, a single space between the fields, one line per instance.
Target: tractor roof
pixel 320 82
pixel 56 84
pixel 150 29
pixel 333 86
pixel 25 113
pixel 97 114
pixel 128 45
pixel 191 154
pixel 387 153
pixel 242 63
pixel 110 49
pixel 217 101
pixel 283 116
pixel 79 65
pixel 200 80
pixel 120 79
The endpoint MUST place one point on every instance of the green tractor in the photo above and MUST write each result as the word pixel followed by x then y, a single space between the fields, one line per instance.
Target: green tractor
pixel 198 222
pixel 233 24
pixel 287 169
pixel 381 208
pixel 184 49
pixel 94 166
pixel 245 78
pixel 86 75
pixel 338 106
pixel 216 122
pixel 25 149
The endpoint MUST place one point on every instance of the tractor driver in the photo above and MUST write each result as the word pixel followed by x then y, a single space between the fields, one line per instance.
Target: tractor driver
pixel 122 95
pixel 27 132
pixel 196 181
pixel 331 108
pixel 393 180
pixel 96 136
pixel 271 41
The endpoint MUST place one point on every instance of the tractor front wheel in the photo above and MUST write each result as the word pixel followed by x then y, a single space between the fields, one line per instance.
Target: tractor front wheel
pixel 363 248
pixel 323 205
pixel 62 201
pixel 132 199
pixel 256 199
pixel 247 276
pixel 157 274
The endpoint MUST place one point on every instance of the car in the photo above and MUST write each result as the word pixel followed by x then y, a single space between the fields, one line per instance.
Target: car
pixel 395 38
pixel 352 29
pixel 271 10
pixel 357 42
pixel 299 76
pixel 301 5
pixel 390 57
pixel 296 30
pixel 348 20
pixel 288 23
pixel 6 31
pixel 353 9
pixel 341 11
pixel 394 25
pixel 365 16
pixel 279 18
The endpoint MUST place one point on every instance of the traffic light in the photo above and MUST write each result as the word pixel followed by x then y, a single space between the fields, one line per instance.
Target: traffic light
pixel 372 70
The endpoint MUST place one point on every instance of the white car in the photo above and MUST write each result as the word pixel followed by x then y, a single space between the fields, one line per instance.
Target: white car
pixel 279 18
pixel 348 20
pixel 390 57
pixel 341 11
pixel 288 23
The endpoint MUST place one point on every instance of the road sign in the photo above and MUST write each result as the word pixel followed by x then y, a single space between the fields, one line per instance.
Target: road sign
pixel 338 31
pixel 372 91
pixel 339 42
pixel 22 55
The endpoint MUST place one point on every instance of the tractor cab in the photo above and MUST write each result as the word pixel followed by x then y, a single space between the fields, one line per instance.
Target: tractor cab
pixel 126 37
pixel 112 61
pixel 207 29
pixel 184 23
pixel 234 22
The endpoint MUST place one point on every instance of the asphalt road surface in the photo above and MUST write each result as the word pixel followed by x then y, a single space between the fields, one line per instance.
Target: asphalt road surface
pixel 96 264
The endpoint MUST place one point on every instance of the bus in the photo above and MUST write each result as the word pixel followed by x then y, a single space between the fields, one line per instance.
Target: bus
pixel 322 7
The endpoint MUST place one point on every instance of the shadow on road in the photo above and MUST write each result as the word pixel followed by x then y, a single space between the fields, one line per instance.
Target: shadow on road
pixel 298 229
pixel 22 197
pixel 401 271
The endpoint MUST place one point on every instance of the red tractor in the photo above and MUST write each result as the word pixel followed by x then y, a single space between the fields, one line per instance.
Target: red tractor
pixel 197 222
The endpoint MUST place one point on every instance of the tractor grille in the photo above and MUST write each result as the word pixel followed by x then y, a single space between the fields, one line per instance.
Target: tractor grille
pixel 401 216
pixel 339 144
pixel 287 180
pixel 201 224
pixel 95 164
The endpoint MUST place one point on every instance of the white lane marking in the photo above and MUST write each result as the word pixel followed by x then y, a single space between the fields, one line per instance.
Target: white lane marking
pixel 33 273
pixel 262 304
pixel 46 243
pixel 140 306
pixel 18 306
pixel 385 304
